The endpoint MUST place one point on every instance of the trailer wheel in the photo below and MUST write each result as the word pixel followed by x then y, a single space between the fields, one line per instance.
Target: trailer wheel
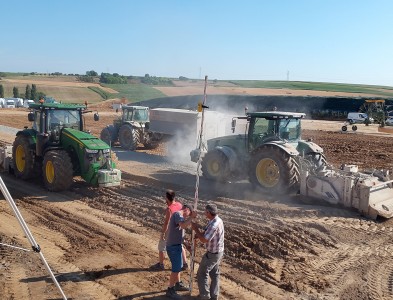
pixel 109 135
pixel 215 166
pixel 354 128
pixel 273 171
pixel 344 128
pixel 23 157
pixel 57 170
pixel 128 137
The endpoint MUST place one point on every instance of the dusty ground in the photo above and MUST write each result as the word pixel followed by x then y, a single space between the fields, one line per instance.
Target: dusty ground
pixel 100 242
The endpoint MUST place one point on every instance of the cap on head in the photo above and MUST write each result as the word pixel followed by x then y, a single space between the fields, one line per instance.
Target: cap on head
pixel 212 208
pixel 187 206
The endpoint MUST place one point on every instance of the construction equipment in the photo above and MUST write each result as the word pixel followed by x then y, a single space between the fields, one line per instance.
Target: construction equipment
pixel 58 148
pixel 268 154
pixel 376 111
pixel 131 129
pixel 276 160
pixel 370 193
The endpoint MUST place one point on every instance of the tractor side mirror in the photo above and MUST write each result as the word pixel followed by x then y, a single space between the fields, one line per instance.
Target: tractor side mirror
pixel 31 117
pixel 96 117
pixel 233 125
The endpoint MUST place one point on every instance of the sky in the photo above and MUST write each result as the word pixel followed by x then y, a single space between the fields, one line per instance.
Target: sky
pixel 343 41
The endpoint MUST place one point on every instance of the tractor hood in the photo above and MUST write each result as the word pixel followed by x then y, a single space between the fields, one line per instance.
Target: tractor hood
pixel 226 140
pixel 84 139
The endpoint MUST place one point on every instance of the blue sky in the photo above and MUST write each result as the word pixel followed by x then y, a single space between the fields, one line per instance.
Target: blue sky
pixel 344 41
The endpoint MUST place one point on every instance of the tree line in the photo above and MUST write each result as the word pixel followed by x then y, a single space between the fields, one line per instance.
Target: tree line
pixel 31 92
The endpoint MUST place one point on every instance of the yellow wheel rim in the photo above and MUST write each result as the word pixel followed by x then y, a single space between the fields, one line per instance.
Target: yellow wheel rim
pixel 267 172
pixel 20 158
pixel 50 172
pixel 214 167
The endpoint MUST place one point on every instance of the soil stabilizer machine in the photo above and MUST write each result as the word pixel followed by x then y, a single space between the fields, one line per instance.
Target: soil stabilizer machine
pixel 131 129
pixel 58 148
pixel 274 158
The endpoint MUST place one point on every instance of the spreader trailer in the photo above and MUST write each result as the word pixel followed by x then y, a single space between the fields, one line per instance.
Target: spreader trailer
pixel 371 193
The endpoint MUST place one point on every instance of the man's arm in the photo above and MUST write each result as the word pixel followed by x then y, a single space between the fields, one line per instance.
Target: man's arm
pixel 184 224
pixel 199 235
pixel 166 223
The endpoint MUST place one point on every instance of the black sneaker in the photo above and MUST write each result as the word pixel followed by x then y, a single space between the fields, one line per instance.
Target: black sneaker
pixel 171 293
pixel 179 286
pixel 157 267
pixel 185 267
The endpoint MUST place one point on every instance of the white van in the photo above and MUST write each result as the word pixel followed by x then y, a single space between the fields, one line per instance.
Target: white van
pixel 9 103
pixel 357 117
pixel 27 102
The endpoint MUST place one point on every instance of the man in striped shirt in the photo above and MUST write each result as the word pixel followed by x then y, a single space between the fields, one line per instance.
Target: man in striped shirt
pixel 213 237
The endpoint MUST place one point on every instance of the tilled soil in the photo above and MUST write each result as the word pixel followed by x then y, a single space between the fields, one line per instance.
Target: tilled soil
pixel 101 242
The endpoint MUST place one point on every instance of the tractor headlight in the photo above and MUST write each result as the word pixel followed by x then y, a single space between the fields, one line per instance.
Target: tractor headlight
pixel 89 151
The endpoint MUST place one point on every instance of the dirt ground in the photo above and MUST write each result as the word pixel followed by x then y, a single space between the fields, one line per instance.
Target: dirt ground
pixel 101 242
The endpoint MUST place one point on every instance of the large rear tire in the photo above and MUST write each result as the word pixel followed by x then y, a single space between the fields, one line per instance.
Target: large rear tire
pixel 109 135
pixel 23 158
pixel 57 170
pixel 215 166
pixel 273 171
pixel 128 137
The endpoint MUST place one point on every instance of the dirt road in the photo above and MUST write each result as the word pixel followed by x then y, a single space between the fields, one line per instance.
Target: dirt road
pixel 100 242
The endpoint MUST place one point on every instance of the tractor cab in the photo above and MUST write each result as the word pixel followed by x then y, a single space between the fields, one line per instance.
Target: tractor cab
pixel 273 126
pixel 138 114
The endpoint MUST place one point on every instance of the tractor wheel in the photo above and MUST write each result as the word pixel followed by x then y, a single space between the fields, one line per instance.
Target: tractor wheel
pixel 215 166
pixel 57 170
pixel 23 158
pixel 318 160
pixel 109 135
pixel 274 171
pixel 128 137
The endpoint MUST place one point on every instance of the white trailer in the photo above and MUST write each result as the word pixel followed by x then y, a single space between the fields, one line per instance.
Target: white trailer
pixel 187 123
pixel 2 101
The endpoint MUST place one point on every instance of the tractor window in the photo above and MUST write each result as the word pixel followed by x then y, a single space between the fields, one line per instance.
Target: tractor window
pixel 63 118
pixel 140 115
pixel 263 127
pixel 37 121
pixel 290 129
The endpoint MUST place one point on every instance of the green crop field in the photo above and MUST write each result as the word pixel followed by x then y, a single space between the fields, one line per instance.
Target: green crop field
pixel 134 92
pixel 317 86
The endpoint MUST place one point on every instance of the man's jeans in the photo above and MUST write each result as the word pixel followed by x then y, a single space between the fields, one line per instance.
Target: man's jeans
pixel 209 266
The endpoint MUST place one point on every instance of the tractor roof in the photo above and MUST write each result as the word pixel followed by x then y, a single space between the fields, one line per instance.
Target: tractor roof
pixel 61 106
pixel 130 106
pixel 276 115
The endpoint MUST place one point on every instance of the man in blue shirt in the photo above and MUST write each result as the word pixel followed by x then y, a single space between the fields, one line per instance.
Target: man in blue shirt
pixel 178 222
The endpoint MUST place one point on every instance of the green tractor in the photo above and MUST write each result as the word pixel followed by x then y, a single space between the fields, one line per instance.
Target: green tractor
pixel 270 154
pixel 58 148
pixel 131 129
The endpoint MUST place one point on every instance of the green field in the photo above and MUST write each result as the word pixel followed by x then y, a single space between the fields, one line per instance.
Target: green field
pixel 134 92
pixel 317 86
